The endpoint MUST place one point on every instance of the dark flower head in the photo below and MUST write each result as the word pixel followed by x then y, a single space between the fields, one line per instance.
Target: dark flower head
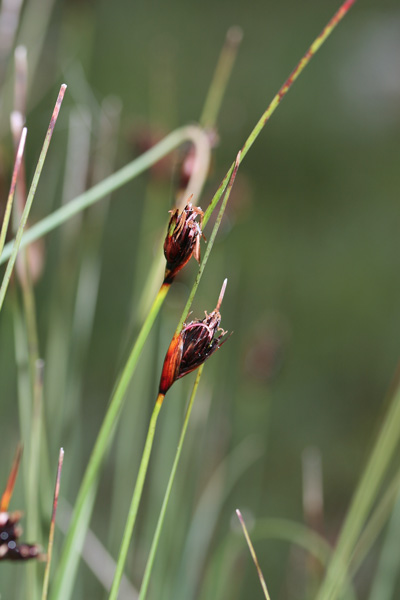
pixel 10 530
pixel 182 240
pixel 197 341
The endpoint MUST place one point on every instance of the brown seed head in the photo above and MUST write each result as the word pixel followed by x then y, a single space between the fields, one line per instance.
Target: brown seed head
pixel 197 341
pixel 182 240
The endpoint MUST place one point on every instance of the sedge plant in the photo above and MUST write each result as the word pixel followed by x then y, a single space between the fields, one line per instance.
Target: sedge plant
pixel 82 509
pixel 88 485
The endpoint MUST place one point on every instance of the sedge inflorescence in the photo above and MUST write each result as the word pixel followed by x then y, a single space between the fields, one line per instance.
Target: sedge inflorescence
pixel 190 348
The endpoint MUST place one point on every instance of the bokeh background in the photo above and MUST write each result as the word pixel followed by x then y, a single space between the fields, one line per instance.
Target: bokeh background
pixel 309 245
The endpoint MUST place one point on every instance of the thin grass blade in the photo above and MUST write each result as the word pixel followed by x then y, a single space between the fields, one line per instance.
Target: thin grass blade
pixel 52 526
pixel 31 195
pixel 14 179
pixel 364 497
pixel 253 555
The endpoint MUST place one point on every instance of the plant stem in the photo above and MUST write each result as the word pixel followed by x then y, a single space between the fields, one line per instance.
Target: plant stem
pixel 52 526
pixel 173 140
pixel 33 513
pixel 315 46
pixel 384 584
pixel 161 517
pixel 374 527
pixel 209 246
pixel 139 485
pixel 112 183
pixel 253 555
pixel 10 199
pixel 221 77
pixel 79 523
pixel 13 249
pixel 364 497
pixel 137 494
pixel 70 554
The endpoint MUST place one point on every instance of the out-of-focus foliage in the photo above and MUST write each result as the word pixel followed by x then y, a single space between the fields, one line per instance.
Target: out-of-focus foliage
pixel 309 246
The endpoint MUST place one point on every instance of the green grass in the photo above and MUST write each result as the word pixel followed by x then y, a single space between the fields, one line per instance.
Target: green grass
pixel 82 345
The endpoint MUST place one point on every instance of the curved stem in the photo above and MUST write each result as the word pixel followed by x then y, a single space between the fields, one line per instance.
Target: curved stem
pixel 110 184
pixel 137 494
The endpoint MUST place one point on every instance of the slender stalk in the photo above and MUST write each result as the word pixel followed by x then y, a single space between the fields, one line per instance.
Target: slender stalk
pixel 112 183
pixel 253 555
pixel 376 524
pixel 174 139
pixel 52 527
pixel 207 120
pixel 24 381
pixel 221 77
pixel 209 246
pixel 33 513
pixel 161 517
pixel 364 497
pixel 70 556
pixel 98 560
pixel 17 242
pixel 315 46
pixel 384 584
pixel 137 494
pixel 204 518
pixel 10 199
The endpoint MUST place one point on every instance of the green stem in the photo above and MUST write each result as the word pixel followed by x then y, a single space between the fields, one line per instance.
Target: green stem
pixel 315 46
pixel 160 522
pixel 14 247
pixel 173 140
pixel 137 494
pixel 111 183
pixel 384 584
pixel 221 77
pixel 375 526
pixel 33 513
pixel 209 246
pixel 70 554
pixel 363 500
pixel 79 523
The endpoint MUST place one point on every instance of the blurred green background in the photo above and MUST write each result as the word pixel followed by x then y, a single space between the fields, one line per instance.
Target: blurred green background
pixel 309 246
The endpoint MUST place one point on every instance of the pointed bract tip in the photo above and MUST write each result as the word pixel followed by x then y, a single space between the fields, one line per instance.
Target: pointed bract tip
pixel 234 35
pixel 6 497
pixel 221 295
